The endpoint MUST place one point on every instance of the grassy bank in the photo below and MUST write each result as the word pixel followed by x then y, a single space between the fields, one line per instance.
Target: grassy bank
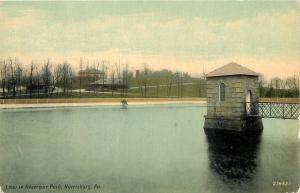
pixel 280 100
pixel 93 100
pixel 134 99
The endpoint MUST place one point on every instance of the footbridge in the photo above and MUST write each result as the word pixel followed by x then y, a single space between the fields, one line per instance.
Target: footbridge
pixel 273 110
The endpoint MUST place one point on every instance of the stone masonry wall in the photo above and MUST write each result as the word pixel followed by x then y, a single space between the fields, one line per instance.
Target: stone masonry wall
pixel 236 88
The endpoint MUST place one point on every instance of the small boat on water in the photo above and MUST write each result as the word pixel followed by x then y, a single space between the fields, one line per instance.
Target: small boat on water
pixel 124 104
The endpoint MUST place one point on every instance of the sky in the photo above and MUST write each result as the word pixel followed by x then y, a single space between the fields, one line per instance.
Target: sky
pixel 190 36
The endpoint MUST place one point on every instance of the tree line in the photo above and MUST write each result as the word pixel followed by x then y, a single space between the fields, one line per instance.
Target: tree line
pixel 18 79
pixel 279 87
pixel 150 83
pixel 49 79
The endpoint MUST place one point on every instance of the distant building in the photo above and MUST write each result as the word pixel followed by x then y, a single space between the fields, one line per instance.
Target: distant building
pixel 88 75
pixel 91 73
pixel 137 73
pixel 38 88
pixel 108 84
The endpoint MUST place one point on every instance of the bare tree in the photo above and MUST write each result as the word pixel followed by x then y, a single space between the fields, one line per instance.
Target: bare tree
pixel 3 77
pixel 66 75
pixel 145 78
pixel 95 73
pixel 276 84
pixel 103 76
pixel 170 85
pixel 46 75
pixel 126 80
pixel 118 70
pixel 262 83
pixel 19 77
pixel 37 78
pixel 32 67
pixel 12 80
pixel 123 81
pixel 112 81
pixel 80 78
pixel 181 83
pixel 178 83
pixel 156 80
pixel 200 86
pixel 292 83
pixel 71 78
pixel 57 78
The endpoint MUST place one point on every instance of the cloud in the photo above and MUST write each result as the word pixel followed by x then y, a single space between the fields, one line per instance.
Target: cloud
pixel 27 18
pixel 269 67
pixel 163 41
pixel 152 33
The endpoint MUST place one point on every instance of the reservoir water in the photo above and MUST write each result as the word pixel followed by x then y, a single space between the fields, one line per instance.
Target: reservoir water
pixel 141 149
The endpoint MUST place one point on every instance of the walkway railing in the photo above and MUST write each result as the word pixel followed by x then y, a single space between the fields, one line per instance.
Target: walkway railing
pixel 273 110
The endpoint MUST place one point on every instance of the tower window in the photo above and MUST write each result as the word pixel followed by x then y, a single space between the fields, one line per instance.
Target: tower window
pixel 221 92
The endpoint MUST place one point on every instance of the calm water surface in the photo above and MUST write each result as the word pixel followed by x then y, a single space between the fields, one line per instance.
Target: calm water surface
pixel 151 149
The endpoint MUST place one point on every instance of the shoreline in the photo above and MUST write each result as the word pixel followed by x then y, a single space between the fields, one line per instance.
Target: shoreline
pixel 105 102
pixel 82 102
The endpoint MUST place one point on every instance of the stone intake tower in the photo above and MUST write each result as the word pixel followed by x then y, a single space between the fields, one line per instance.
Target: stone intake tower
pixel 231 90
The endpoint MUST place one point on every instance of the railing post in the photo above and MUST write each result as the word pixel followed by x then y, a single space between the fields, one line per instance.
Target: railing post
pixel 283 110
pixel 270 109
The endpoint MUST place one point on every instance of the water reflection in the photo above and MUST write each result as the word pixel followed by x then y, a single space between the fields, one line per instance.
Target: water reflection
pixel 233 155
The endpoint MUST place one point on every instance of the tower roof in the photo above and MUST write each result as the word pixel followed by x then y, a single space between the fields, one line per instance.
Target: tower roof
pixel 232 69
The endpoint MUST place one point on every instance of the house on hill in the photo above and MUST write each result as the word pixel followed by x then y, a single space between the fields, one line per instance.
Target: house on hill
pixel 91 73
pixel 108 84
